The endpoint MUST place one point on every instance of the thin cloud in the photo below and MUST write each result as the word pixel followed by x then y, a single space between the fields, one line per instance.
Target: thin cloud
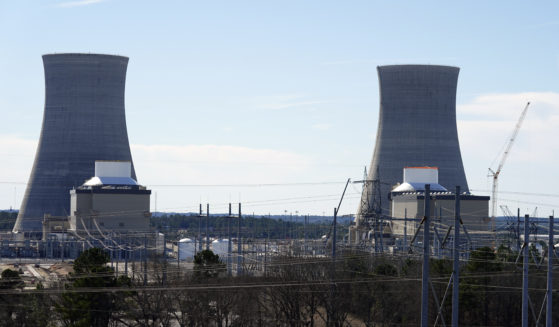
pixel 170 165
pixel 485 125
pixel 17 154
pixel 79 3
pixel 281 102
pixel 214 163
pixel 507 106
pixel 490 119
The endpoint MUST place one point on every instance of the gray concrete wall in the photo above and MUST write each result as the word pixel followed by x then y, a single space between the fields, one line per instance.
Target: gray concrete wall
pixel 118 212
pixel 83 121
pixel 474 213
pixel 417 126
pixel 127 204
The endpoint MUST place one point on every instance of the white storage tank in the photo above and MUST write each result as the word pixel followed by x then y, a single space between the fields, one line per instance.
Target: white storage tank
pixel 219 247
pixel 160 243
pixel 187 249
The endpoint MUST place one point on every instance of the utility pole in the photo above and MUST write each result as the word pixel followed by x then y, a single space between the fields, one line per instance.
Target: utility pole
pixel 456 267
pixel 426 253
pixel 145 260
pixel 239 243
pixel 518 228
pixel 334 238
pixel 291 225
pixel 265 254
pixel 164 259
pixel 405 229
pixel 381 234
pixel 126 255
pixel 207 226
pixel 117 256
pixel 336 210
pixel 200 229
pixel 550 252
pixel 134 258
pixel 229 246
pixel 305 235
pixel 267 247
pixel 525 253
pixel 332 319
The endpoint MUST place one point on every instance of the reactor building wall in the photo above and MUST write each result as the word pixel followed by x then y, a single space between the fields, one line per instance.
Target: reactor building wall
pixel 83 121
pixel 416 127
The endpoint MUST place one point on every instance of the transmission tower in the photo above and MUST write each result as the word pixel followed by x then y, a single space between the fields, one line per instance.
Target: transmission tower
pixel 371 209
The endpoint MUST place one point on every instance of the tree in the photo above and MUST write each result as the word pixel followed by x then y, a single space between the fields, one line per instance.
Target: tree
pixel 37 310
pixel 81 305
pixel 9 303
pixel 207 264
pixel 505 254
pixel 7 220
pixel 147 307
pixel 474 285
pixel 10 279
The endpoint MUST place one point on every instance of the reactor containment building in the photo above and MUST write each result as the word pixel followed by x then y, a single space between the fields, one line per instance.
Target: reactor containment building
pixel 416 127
pixel 83 121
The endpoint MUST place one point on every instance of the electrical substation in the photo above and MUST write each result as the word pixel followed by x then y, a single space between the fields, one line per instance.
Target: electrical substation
pixel 83 191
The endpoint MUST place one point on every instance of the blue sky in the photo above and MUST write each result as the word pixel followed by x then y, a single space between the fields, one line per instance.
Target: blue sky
pixel 283 92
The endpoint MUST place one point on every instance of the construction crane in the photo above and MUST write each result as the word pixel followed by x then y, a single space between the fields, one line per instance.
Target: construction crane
pixel 495 173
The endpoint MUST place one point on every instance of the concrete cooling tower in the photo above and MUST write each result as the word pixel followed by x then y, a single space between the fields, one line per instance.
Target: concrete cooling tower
pixel 83 121
pixel 416 127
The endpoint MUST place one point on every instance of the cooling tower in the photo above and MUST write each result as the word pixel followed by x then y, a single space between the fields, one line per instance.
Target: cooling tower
pixel 416 127
pixel 83 121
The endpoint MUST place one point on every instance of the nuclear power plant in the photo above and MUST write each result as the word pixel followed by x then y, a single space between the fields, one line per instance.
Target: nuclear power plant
pixel 416 128
pixel 83 121
pixel 83 189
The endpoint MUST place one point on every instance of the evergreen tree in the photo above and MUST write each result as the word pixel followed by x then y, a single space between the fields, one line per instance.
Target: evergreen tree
pixel 9 303
pixel 207 264
pixel 82 305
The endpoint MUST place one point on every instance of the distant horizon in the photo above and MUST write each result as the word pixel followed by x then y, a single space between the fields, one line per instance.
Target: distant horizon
pixel 224 214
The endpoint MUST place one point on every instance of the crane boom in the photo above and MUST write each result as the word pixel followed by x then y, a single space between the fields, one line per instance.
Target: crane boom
pixel 495 174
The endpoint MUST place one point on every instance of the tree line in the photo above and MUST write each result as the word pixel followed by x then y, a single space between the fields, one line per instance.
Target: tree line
pixel 359 289
pixel 251 226
pixel 7 219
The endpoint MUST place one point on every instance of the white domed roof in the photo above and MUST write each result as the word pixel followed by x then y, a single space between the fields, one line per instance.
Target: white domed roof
pixel 418 187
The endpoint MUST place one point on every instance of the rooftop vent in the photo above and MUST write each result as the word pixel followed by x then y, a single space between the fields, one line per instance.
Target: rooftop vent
pixel 425 175
pixel 415 179
pixel 111 173
pixel 113 168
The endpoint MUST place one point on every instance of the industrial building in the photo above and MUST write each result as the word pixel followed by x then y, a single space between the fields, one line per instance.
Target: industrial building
pixel 416 129
pixel 83 121
pixel 407 209
pixel 111 202
pixel 109 205
pixel 408 201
